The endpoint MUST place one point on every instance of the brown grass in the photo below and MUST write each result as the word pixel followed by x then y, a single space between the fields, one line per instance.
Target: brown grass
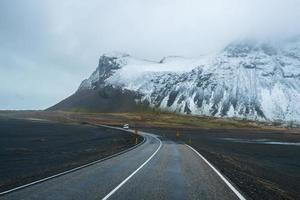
pixel 144 119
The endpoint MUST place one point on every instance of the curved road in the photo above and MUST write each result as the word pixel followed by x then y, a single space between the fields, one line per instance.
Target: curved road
pixel 157 169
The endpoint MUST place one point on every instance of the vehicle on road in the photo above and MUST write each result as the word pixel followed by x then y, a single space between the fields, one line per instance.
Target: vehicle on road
pixel 126 126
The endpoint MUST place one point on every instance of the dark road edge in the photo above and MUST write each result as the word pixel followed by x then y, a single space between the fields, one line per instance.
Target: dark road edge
pixel 80 167
pixel 223 178
pixel 135 171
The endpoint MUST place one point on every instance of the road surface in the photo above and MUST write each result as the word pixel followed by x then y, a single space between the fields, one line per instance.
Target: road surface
pixel 157 169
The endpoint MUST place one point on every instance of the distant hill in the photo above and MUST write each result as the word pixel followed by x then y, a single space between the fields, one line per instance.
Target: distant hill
pixel 106 99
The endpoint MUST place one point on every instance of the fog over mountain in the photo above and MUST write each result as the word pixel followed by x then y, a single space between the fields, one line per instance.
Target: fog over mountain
pixel 48 47
pixel 246 80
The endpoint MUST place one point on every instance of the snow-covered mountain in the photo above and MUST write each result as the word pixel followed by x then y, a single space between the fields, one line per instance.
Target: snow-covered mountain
pixel 247 79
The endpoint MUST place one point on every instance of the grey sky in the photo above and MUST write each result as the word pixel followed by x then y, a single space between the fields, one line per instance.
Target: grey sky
pixel 48 46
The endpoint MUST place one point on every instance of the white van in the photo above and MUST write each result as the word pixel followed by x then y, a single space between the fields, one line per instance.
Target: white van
pixel 126 126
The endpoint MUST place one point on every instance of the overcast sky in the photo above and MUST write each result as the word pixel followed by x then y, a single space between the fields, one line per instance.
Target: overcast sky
pixel 48 46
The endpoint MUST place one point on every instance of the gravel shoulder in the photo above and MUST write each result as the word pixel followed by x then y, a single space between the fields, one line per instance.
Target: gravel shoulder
pixel 34 149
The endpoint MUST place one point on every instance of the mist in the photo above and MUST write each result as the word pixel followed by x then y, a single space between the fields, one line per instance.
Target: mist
pixel 48 47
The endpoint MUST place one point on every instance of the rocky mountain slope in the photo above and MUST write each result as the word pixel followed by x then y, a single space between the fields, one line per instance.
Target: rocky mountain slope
pixel 247 79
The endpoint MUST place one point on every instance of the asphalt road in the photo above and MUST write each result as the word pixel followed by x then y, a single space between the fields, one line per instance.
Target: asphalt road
pixel 157 169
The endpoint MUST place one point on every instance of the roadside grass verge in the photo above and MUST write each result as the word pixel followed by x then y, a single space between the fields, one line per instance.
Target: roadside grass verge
pixel 147 118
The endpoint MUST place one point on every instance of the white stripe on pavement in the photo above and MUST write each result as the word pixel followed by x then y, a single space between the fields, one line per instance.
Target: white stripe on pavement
pixel 236 192
pixel 72 170
pixel 133 173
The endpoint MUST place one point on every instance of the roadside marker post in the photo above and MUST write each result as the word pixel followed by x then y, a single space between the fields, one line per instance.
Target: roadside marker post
pixel 177 134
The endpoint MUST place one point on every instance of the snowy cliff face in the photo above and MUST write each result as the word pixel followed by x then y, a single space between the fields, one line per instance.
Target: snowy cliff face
pixel 248 79
pixel 108 63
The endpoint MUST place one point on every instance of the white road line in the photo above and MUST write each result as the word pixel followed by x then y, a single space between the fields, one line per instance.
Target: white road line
pixel 133 173
pixel 71 170
pixel 238 194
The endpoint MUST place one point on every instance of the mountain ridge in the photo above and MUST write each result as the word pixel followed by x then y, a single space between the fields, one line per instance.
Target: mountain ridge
pixel 247 80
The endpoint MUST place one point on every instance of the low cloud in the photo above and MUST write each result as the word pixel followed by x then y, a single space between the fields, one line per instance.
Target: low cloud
pixel 48 47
